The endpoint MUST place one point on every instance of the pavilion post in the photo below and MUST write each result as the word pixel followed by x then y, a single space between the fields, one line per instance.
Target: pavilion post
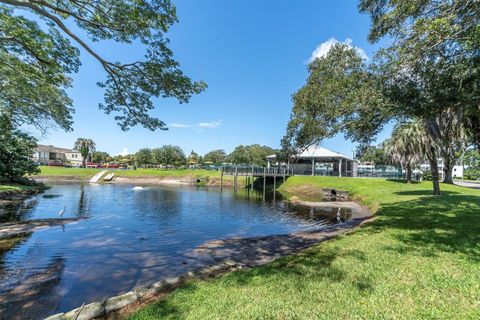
pixel 340 168
pixel 313 166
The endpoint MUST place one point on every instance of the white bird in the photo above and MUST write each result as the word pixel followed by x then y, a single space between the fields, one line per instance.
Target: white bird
pixel 61 212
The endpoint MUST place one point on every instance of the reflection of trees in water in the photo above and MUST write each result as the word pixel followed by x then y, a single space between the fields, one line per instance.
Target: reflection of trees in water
pixel 8 245
pixel 83 203
pixel 32 295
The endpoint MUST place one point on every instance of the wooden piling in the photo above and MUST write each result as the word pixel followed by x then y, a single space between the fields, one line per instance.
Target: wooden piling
pixel 235 179
pixel 221 180
pixel 264 181
pixel 251 182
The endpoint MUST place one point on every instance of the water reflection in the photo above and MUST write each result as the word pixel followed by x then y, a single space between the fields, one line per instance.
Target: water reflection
pixel 131 238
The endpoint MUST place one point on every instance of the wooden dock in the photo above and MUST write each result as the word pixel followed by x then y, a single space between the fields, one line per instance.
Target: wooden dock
pixel 252 172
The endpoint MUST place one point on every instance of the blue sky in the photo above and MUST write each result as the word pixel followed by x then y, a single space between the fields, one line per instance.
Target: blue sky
pixel 252 55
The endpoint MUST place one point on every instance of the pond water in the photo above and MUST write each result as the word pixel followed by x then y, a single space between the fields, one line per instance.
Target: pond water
pixel 129 238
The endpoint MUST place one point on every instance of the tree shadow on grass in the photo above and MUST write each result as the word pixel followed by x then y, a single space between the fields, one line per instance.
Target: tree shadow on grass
pixel 448 223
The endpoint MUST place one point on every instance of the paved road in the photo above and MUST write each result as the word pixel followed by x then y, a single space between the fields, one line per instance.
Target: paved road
pixel 468 184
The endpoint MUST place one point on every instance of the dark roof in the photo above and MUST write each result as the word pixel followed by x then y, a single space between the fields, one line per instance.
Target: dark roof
pixel 50 148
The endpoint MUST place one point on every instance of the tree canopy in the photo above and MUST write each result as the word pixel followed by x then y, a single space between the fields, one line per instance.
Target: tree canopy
pixel 372 154
pixel 252 154
pixel 341 94
pixel 37 60
pixel 143 157
pixel 436 49
pixel 215 156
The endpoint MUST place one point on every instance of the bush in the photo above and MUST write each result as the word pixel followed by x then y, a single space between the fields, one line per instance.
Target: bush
pixel 471 174
pixel 16 150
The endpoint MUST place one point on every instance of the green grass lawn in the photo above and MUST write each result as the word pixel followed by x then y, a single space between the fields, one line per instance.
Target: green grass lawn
pixel 90 172
pixel 47 171
pixel 13 187
pixel 419 260
pixel 197 173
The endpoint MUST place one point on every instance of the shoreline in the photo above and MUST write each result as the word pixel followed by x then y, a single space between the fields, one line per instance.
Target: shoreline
pixel 217 257
pixel 148 180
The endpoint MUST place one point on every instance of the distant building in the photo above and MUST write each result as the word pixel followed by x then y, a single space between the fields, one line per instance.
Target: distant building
pixel 457 171
pixel 46 154
pixel 319 161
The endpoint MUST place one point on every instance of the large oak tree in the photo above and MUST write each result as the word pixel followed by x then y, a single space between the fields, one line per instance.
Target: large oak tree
pixel 39 55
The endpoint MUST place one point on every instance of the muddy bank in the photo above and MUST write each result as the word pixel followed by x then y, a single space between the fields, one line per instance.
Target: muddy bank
pixel 11 229
pixel 360 210
pixel 151 180
pixel 46 179
pixel 9 197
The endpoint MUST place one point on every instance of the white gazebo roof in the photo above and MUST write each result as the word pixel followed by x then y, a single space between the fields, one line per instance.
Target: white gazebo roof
pixel 317 152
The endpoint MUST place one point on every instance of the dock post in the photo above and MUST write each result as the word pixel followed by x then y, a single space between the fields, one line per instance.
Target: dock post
pixel 235 182
pixel 274 179
pixel 251 181
pixel 221 180
pixel 264 181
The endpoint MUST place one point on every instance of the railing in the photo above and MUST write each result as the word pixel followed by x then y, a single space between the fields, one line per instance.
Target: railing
pixel 256 171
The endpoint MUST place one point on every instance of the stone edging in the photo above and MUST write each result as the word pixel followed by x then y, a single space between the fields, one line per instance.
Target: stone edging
pixel 99 309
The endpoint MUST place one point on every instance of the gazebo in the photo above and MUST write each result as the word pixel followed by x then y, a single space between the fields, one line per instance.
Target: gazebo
pixel 319 161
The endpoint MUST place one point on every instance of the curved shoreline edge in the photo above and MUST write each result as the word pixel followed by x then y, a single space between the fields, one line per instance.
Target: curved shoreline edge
pixel 218 257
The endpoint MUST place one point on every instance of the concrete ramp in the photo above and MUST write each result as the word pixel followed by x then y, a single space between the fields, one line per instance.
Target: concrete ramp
pixel 98 176
pixel 109 177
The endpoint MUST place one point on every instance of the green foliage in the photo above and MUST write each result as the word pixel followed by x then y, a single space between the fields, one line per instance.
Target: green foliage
pixel 143 157
pixel 253 154
pixel 34 72
pixel 215 156
pixel 341 95
pixel 37 61
pixel 16 150
pixel 434 62
pixel 100 157
pixel 471 160
pixel 471 174
pixel 168 155
pixel 372 154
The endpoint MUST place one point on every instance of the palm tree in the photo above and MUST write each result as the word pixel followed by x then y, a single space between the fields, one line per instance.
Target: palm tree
pixel 86 148
pixel 410 143
pixel 403 147
pixel 448 130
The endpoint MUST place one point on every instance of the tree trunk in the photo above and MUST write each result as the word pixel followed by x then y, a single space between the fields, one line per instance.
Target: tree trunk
pixel 84 162
pixel 447 169
pixel 435 176
pixel 408 172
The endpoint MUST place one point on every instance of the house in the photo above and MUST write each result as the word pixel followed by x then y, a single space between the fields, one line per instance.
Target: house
pixel 319 161
pixel 47 154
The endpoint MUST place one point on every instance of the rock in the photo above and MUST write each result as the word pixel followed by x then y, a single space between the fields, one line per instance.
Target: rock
pixel 229 263
pixel 120 301
pixel 172 281
pixel 58 316
pixel 146 292
pixel 159 285
pixel 86 312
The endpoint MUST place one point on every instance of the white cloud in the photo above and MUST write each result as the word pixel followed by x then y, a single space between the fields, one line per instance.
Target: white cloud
pixel 124 152
pixel 322 49
pixel 198 126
